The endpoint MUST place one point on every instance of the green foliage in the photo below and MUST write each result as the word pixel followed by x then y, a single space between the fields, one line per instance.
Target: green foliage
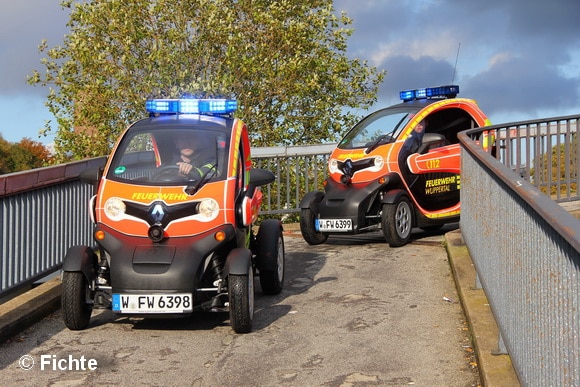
pixel 21 156
pixel 557 168
pixel 285 61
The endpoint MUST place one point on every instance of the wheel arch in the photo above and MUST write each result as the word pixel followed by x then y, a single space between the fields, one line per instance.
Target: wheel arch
pixel 391 196
pixel 311 200
pixel 80 258
pixel 238 262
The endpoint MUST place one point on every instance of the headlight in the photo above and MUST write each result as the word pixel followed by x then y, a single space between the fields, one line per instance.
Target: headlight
pixel 333 165
pixel 379 162
pixel 208 208
pixel 114 208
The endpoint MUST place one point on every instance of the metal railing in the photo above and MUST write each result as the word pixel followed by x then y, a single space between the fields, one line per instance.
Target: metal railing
pixel 544 152
pixel 298 170
pixel 45 211
pixel 524 246
pixel 42 213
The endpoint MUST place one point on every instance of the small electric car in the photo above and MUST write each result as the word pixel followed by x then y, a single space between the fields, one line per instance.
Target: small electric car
pixel 174 211
pixel 398 168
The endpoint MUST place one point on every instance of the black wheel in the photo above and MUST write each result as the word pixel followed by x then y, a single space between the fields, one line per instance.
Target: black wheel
pixel 397 221
pixel 308 230
pixel 271 256
pixel 241 295
pixel 76 300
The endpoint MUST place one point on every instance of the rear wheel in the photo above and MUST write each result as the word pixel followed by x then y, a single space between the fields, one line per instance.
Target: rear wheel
pixel 397 221
pixel 76 301
pixel 308 229
pixel 241 297
pixel 271 256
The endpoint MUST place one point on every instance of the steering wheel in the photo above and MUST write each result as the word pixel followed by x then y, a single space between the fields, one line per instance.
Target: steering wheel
pixel 168 173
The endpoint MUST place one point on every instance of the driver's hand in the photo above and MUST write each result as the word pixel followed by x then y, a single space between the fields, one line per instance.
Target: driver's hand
pixel 184 168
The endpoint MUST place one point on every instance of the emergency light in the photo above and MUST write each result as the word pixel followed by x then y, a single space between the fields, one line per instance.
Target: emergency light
pixel 449 91
pixel 191 106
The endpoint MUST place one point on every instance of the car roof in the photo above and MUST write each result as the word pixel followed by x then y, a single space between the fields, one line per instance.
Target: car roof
pixel 184 121
pixel 416 105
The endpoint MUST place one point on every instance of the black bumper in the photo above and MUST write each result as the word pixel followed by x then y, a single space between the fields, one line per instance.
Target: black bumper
pixel 138 265
pixel 359 203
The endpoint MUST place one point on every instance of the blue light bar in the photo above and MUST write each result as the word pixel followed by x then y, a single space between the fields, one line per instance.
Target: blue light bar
pixel 407 95
pixel 449 91
pixel 191 106
pixel 421 93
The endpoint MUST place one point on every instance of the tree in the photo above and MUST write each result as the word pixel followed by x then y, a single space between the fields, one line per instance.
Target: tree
pixel 558 168
pixel 21 156
pixel 284 61
pixel 4 156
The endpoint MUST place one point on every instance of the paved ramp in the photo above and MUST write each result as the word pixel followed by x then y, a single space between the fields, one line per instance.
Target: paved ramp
pixel 354 312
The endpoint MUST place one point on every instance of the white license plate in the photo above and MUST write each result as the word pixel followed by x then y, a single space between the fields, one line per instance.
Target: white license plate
pixel 335 225
pixel 152 303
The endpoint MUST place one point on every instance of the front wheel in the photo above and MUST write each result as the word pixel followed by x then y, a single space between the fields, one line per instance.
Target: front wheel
pixel 75 299
pixel 308 229
pixel 397 221
pixel 241 297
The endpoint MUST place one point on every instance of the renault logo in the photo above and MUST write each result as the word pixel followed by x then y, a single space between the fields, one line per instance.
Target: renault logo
pixel 157 213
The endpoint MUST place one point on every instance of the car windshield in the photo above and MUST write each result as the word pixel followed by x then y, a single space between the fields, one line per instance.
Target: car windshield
pixel 152 157
pixel 379 128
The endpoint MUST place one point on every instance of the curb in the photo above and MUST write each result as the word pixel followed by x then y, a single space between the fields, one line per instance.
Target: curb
pixel 494 370
pixel 28 308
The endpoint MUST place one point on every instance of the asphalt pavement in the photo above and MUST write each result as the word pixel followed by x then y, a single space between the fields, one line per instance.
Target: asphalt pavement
pixel 31 307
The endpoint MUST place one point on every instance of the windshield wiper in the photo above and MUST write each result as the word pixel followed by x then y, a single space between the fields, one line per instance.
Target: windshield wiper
pixel 197 184
pixel 377 142
pixel 381 138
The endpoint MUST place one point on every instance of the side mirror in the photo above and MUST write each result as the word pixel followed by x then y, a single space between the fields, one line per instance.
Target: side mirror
pixel 91 175
pixel 260 177
pixel 431 140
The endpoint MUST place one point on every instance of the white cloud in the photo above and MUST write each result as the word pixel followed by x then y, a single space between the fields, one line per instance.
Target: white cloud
pixel 516 58
pixel 509 51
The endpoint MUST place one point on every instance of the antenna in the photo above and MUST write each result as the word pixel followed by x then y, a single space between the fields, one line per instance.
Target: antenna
pixel 455 67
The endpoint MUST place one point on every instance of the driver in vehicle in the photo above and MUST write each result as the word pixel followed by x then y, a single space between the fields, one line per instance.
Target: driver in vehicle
pixel 410 146
pixel 412 143
pixel 190 161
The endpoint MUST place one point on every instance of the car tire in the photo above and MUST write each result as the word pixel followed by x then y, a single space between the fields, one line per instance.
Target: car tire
pixel 397 221
pixel 309 232
pixel 241 297
pixel 76 309
pixel 271 256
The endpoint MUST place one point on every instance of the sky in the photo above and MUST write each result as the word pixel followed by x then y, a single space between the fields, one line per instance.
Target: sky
pixel 519 59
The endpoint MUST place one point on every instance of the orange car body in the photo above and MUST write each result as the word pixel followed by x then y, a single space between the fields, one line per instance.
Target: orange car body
pixel 222 190
pixel 407 152
pixel 174 211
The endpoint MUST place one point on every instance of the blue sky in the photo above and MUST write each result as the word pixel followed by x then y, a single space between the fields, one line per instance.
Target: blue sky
pixel 520 59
